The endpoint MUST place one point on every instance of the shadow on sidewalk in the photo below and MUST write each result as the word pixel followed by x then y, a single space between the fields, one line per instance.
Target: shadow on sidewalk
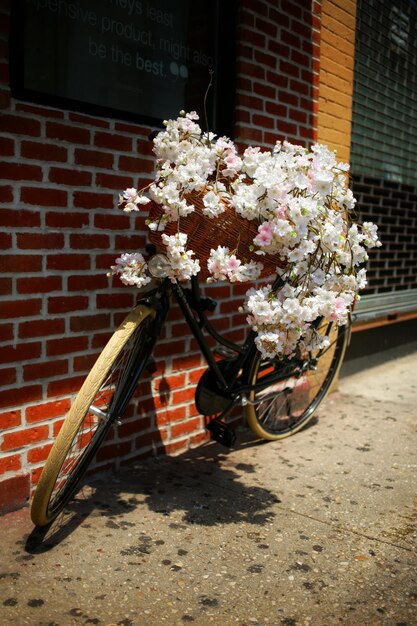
pixel 201 484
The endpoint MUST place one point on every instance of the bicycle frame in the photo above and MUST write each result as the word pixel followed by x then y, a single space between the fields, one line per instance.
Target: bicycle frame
pixel 190 300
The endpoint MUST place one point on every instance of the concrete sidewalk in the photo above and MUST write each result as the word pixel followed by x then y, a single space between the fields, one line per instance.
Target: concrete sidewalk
pixel 317 530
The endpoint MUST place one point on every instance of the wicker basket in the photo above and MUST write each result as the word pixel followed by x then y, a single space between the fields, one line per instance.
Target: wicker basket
pixel 228 229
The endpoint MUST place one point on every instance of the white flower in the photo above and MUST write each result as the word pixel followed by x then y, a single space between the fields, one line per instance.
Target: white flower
pixel 301 205
pixel 131 268
pixel 212 205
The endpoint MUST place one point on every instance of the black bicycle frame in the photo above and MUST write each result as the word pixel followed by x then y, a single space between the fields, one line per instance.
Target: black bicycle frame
pixel 190 300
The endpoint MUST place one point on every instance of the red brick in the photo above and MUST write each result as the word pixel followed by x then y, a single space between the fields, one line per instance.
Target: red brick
pixel 278 79
pixel 7 146
pixel 114 300
pixel 19 125
pixel 39 110
pixel 88 282
pixel 35 476
pixel 89 242
pixel 56 427
pixel 20 308
pixel 185 428
pixel 253 70
pixel 104 261
pixel 39 284
pixel 289 98
pixel 76 178
pixel 128 429
pixel 14 263
pixel 291 69
pixel 186 362
pixel 20 171
pixel 6 332
pixel 14 492
pixel 65 386
pixel 6 286
pixel 42 328
pixel 266 91
pixel 5 241
pixel 298 116
pixel 93 158
pixel 19 218
pixel 263 120
pixel 165 416
pixel 65 132
pixel 44 196
pixel 11 397
pixel 135 164
pixel 134 129
pixel 93 200
pixel 251 134
pixel 145 147
pixel 48 369
pixel 6 193
pixel 266 59
pixel 112 222
pixel 63 304
pixel 20 438
pixel 89 322
pixel 11 463
pixel 278 49
pixel 274 108
pixel 113 142
pixel 34 241
pixel 113 181
pixel 84 363
pixel 8 376
pixel 131 242
pixel 292 8
pixel 20 352
pixel 66 345
pixel 37 455
pixel 87 119
pixel 268 28
pixel 11 419
pixel 47 410
pixel 43 151
pixel 114 450
pixel 68 262
pixel 299 87
pixel 5 98
pixel 251 102
pixel 183 396
pixel 66 220
pixel 301 28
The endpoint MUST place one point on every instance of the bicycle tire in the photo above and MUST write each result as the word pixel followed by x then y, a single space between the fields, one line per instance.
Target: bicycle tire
pixel 83 431
pixel 285 407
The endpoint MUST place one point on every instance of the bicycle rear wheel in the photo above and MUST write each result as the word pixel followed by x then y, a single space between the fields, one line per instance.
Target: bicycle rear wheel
pixel 100 401
pixel 288 404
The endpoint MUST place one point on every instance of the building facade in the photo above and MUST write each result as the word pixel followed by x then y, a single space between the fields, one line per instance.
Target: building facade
pixel 300 73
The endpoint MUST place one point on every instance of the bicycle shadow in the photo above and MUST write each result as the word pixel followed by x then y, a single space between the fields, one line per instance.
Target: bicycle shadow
pixel 200 487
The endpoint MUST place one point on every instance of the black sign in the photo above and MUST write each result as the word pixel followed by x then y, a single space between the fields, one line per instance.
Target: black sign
pixel 136 59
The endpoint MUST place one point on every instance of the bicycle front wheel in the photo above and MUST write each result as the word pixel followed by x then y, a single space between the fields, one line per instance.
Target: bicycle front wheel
pixel 105 392
pixel 288 403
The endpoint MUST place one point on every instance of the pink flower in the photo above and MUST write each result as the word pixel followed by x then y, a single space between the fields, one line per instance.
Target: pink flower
pixel 264 236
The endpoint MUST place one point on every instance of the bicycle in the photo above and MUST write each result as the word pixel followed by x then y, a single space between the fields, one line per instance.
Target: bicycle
pixel 280 396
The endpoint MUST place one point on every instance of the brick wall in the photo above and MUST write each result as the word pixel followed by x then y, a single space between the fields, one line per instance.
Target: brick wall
pixel 61 171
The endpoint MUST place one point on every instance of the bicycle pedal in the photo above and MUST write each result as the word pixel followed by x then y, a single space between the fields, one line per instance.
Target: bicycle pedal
pixel 222 433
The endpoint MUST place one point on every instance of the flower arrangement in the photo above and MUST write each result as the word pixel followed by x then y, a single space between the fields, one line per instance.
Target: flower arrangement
pixel 297 209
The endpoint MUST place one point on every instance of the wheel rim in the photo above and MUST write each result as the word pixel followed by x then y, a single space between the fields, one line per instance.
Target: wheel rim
pixel 97 420
pixel 285 406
